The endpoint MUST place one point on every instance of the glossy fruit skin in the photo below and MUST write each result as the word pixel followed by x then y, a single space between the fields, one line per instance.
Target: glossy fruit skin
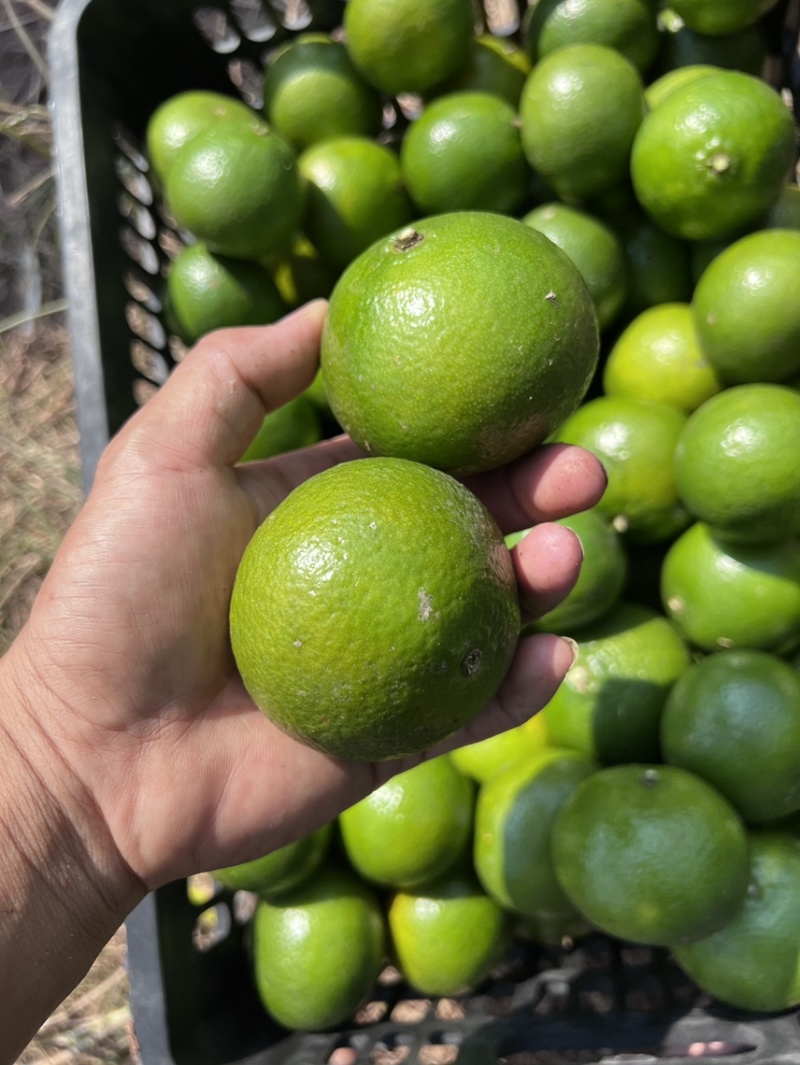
pixel 721 594
pixel 282 870
pixel 495 65
pixel 480 761
pixel 464 153
pixel 448 935
pixel 736 463
pixel 710 159
pixel 513 823
pixel 413 828
pixel 715 18
pixel 375 610
pixel 610 703
pixel 657 91
pixel 296 424
pixel 580 110
pixel 747 316
pixel 753 961
pixel 744 50
pixel 734 720
pixel 628 26
pixel 627 849
pixel 318 950
pixel 476 339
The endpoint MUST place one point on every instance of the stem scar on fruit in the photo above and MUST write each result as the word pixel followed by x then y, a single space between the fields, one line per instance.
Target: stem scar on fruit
pixel 407 238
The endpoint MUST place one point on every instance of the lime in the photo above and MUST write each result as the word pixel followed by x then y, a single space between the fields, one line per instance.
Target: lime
pixel 207 291
pixel 375 610
pixel 609 705
pixel 282 870
pixel 312 91
pixel 593 248
pixel 478 338
pixel 721 594
pixel 513 824
pixel 736 463
pixel 744 50
pixel 658 264
pixel 413 827
pixel 224 185
pixel 658 358
pixel 580 110
pixel 785 211
pixel 628 26
pixel 657 91
pixel 318 950
pixel 448 935
pixel 652 854
pixel 464 153
pixel 354 196
pixel 635 440
pixel 495 65
pixel 747 316
pixel 717 17
pixel 710 158
pixel 408 46
pixel 703 252
pixel 301 275
pixel 734 720
pixel 296 424
pixel 482 760
pixel 754 961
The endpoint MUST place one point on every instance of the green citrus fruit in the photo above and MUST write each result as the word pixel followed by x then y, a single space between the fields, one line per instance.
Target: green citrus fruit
pixel 180 118
pixel 412 828
pixel 464 153
pixel 754 961
pixel 448 935
pixel 734 720
pixel 721 594
pixel 635 441
pixel 554 931
pixel 593 248
pixel 355 195
pixel 657 91
pixel 317 950
pixel 744 50
pixel 408 46
pixel 718 17
pixel 301 275
pixel 282 870
pixel 628 26
pixel 602 575
pixel 482 760
pixel 747 316
pixel 312 91
pixel 352 637
pixel 478 338
pixel 703 252
pixel 207 291
pixel 736 463
pixel 580 110
pixel 513 824
pixel 658 264
pixel 651 854
pixel 785 211
pixel 224 185
pixel 495 65
pixel 710 158
pixel 610 703
pixel 658 358
pixel 296 424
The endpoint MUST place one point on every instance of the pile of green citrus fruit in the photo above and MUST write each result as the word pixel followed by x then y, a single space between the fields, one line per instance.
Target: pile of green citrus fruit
pixel 486 214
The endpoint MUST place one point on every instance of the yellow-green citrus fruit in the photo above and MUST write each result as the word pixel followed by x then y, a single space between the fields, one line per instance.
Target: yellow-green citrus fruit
pixel 513 823
pixel 652 854
pixel 594 249
pixel 610 703
pixel 207 291
pixel 448 935
pixel 282 870
pixel 317 950
pixel 580 110
pixel 734 720
pixel 635 440
pixel 312 91
pixel 737 463
pixel 295 424
pixel 478 338
pixel 301 275
pixel 628 26
pixel 483 759
pixel 709 159
pixel 721 594
pixel 754 961
pixel 746 311
pixel 375 611
pixel 403 46
pixel 657 91
pixel 495 65
pixel 354 195
pixel 238 189
pixel 744 50
pixel 717 17
pixel 181 117
pixel 658 358
pixel 658 264
pixel 413 827
pixel 464 153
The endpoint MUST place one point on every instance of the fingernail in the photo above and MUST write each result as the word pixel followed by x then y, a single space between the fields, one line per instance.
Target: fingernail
pixel 605 472
pixel 573 649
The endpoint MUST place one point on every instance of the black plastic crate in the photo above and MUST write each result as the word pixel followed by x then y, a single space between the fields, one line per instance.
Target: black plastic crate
pixel 194 1004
